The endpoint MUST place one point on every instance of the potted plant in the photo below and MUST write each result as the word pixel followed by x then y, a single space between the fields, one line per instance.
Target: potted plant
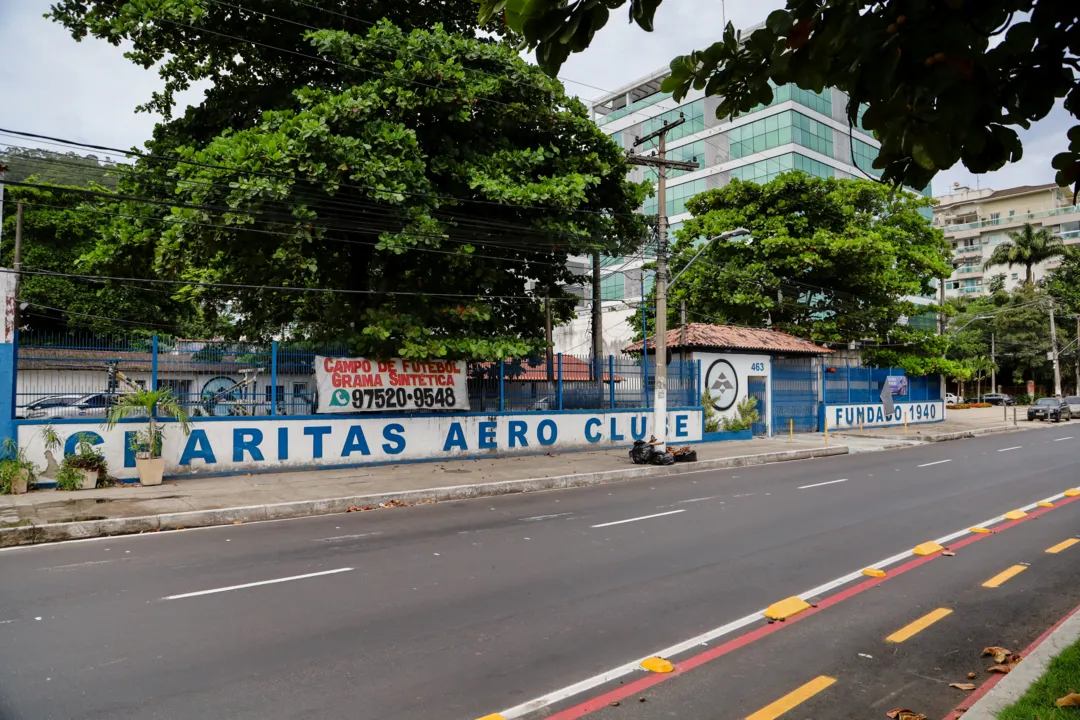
pixel 147 443
pixel 17 474
pixel 82 469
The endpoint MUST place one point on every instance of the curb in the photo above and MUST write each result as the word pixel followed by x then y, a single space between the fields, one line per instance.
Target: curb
pixel 940 437
pixel 1012 687
pixel 81 530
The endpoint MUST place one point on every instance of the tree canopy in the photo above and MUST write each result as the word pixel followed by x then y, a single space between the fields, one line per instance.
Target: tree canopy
pixel 943 81
pixel 254 54
pixel 56 168
pixel 57 232
pixel 832 260
pixel 425 198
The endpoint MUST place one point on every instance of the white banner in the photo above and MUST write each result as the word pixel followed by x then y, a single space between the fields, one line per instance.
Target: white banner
pixel 352 385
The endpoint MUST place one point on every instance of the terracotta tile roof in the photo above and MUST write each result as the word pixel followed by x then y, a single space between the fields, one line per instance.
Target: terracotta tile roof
pixel 1021 190
pixel 574 369
pixel 727 337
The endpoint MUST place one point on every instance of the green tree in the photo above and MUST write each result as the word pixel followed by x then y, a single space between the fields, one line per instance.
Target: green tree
pixel 941 81
pixel 253 53
pixel 58 230
pixel 55 168
pixel 830 260
pixel 1027 247
pixel 436 187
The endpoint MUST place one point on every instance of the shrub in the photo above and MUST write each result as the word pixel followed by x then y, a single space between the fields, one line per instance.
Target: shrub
pixel 712 422
pixel 748 415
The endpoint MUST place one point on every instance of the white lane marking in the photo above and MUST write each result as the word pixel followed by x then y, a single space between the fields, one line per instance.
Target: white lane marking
pixel 535 518
pixel 256 584
pixel 939 462
pixel 634 666
pixel 1014 447
pixel 1070 437
pixel 693 500
pixel 643 517
pixel 337 538
pixel 831 482
pixel 85 564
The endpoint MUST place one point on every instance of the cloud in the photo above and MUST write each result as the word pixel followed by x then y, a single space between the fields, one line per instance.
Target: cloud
pixel 85 91
pixel 88 91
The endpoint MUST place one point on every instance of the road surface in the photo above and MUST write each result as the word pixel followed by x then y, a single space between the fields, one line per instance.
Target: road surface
pixel 541 605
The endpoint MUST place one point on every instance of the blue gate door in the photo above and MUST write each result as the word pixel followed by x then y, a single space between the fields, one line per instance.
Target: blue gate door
pixel 795 395
pixel 757 388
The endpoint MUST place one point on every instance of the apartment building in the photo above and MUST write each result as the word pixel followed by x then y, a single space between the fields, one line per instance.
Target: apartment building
pixel 975 222
pixel 798 130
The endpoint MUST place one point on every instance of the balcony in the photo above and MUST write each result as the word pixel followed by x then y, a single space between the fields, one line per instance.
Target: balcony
pixel 968 250
pixel 967 269
pixel 1028 217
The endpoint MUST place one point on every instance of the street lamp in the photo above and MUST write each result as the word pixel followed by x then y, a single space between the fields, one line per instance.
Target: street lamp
pixel 660 401
pixel 737 232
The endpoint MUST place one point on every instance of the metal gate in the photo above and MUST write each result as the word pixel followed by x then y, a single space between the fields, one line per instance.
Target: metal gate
pixel 756 388
pixel 794 395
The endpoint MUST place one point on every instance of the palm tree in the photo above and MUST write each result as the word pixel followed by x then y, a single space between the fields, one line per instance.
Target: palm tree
pixel 1029 247
pixel 149 403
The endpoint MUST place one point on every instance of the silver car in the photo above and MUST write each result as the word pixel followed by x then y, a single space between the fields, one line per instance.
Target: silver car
pixel 65 406
pixel 1074 405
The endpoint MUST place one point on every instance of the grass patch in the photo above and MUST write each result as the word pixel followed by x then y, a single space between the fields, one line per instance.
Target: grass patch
pixel 1061 677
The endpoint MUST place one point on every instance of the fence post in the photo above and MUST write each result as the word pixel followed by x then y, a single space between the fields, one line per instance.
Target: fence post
pixel 273 377
pixel 154 362
pixel 611 378
pixel 560 381
pixel 502 385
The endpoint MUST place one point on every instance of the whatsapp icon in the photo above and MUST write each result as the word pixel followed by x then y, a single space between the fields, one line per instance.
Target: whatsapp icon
pixel 340 398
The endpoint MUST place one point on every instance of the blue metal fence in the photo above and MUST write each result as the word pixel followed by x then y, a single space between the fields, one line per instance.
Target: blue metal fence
pixel 794 395
pixel 216 378
pixel 850 383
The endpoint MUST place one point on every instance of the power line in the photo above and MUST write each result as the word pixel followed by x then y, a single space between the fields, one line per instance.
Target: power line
pixel 293 178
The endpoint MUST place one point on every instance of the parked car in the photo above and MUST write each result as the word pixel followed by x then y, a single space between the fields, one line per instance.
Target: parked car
pixel 1073 402
pixel 1000 399
pixel 1054 408
pixel 953 399
pixel 62 406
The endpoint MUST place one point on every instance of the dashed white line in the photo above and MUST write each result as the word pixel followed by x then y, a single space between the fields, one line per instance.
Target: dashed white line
pixel 643 517
pixel 256 584
pixel 1070 437
pixel 694 500
pixel 939 462
pixel 337 538
pixel 1014 447
pixel 831 482
pixel 536 518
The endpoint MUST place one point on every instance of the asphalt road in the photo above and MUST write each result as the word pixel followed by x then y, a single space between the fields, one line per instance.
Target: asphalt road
pixel 461 610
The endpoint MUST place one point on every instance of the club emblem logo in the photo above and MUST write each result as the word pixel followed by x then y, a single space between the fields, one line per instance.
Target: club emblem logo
pixel 723 384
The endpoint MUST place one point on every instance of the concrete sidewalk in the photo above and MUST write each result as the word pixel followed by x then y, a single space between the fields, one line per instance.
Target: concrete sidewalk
pixel 46 515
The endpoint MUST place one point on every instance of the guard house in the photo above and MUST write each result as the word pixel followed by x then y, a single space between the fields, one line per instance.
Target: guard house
pixel 780 370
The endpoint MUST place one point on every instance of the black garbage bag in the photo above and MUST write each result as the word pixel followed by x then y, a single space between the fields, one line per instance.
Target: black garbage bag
pixel 687 456
pixel 659 458
pixel 641 452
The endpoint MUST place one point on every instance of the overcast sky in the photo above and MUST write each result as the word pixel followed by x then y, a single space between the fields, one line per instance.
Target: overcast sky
pixel 88 91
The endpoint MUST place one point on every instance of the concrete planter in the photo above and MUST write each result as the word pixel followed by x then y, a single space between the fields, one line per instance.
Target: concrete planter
pixel 151 470
pixel 89 479
pixel 21 483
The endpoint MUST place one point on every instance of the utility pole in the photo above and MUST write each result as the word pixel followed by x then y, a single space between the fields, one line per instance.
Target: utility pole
pixel 549 353
pixel 661 163
pixel 1076 363
pixel 682 324
pixel 1054 350
pixel 597 322
pixel 17 266
pixel 993 369
pixel 3 169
